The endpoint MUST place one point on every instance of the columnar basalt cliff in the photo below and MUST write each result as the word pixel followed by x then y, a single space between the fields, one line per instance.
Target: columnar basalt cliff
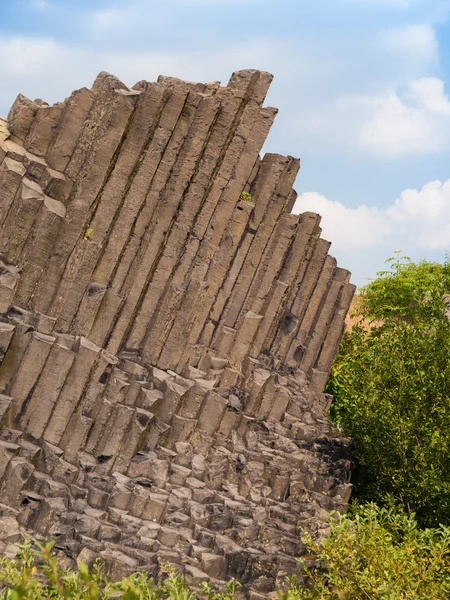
pixel 167 327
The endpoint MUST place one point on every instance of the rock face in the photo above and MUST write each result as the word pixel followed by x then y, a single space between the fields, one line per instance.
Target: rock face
pixel 167 328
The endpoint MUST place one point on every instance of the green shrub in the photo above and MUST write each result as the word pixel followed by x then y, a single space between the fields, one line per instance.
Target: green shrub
pixel 372 554
pixel 378 554
pixel 35 575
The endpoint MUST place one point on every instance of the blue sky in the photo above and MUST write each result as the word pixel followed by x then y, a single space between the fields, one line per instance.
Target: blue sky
pixel 362 87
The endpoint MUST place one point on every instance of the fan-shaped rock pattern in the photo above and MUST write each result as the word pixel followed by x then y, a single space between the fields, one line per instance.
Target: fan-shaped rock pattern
pixel 167 330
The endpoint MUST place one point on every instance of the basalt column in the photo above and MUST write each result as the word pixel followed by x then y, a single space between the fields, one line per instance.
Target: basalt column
pixel 167 327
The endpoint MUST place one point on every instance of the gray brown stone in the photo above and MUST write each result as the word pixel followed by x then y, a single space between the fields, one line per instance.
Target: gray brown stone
pixel 166 331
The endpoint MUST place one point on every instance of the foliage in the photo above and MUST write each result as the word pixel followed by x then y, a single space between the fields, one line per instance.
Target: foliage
pixel 37 576
pixel 377 554
pixel 246 197
pixel 391 385
pixel 88 233
pixel 402 291
pixel 374 553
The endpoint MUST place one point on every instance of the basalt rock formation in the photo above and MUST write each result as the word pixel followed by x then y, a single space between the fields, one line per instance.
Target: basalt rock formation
pixel 167 327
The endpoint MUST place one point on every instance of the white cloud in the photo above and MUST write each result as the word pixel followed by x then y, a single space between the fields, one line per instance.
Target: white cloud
pixel 27 62
pixel 384 106
pixel 414 121
pixel 138 14
pixel 418 218
pixel 429 93
pixel 109 20
pixel 21 55
pixel 426 213
pixel 416 43
pixel 347 228
pixel 398 122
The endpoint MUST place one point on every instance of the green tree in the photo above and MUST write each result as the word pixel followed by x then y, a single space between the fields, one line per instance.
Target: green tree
pixel 391 383
pixel 403 290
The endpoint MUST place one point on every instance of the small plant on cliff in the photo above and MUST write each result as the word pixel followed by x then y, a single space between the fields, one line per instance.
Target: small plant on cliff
pixel 391 385
pixel 246 197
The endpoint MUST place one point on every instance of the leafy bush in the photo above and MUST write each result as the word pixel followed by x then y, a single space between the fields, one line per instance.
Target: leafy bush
pixel 372 554
pixel 391 387
pixel 378 554
pixel 37 576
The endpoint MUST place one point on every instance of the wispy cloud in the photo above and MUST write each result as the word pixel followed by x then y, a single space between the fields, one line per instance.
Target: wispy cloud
pixel 418 223
pixel 27 63
pixel 414 121
pixel 40 4
pixel 415 42
pixel 421 216
pixel 140 14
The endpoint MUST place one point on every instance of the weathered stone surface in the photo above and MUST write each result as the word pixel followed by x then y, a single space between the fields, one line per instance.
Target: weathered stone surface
pixel 166 331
